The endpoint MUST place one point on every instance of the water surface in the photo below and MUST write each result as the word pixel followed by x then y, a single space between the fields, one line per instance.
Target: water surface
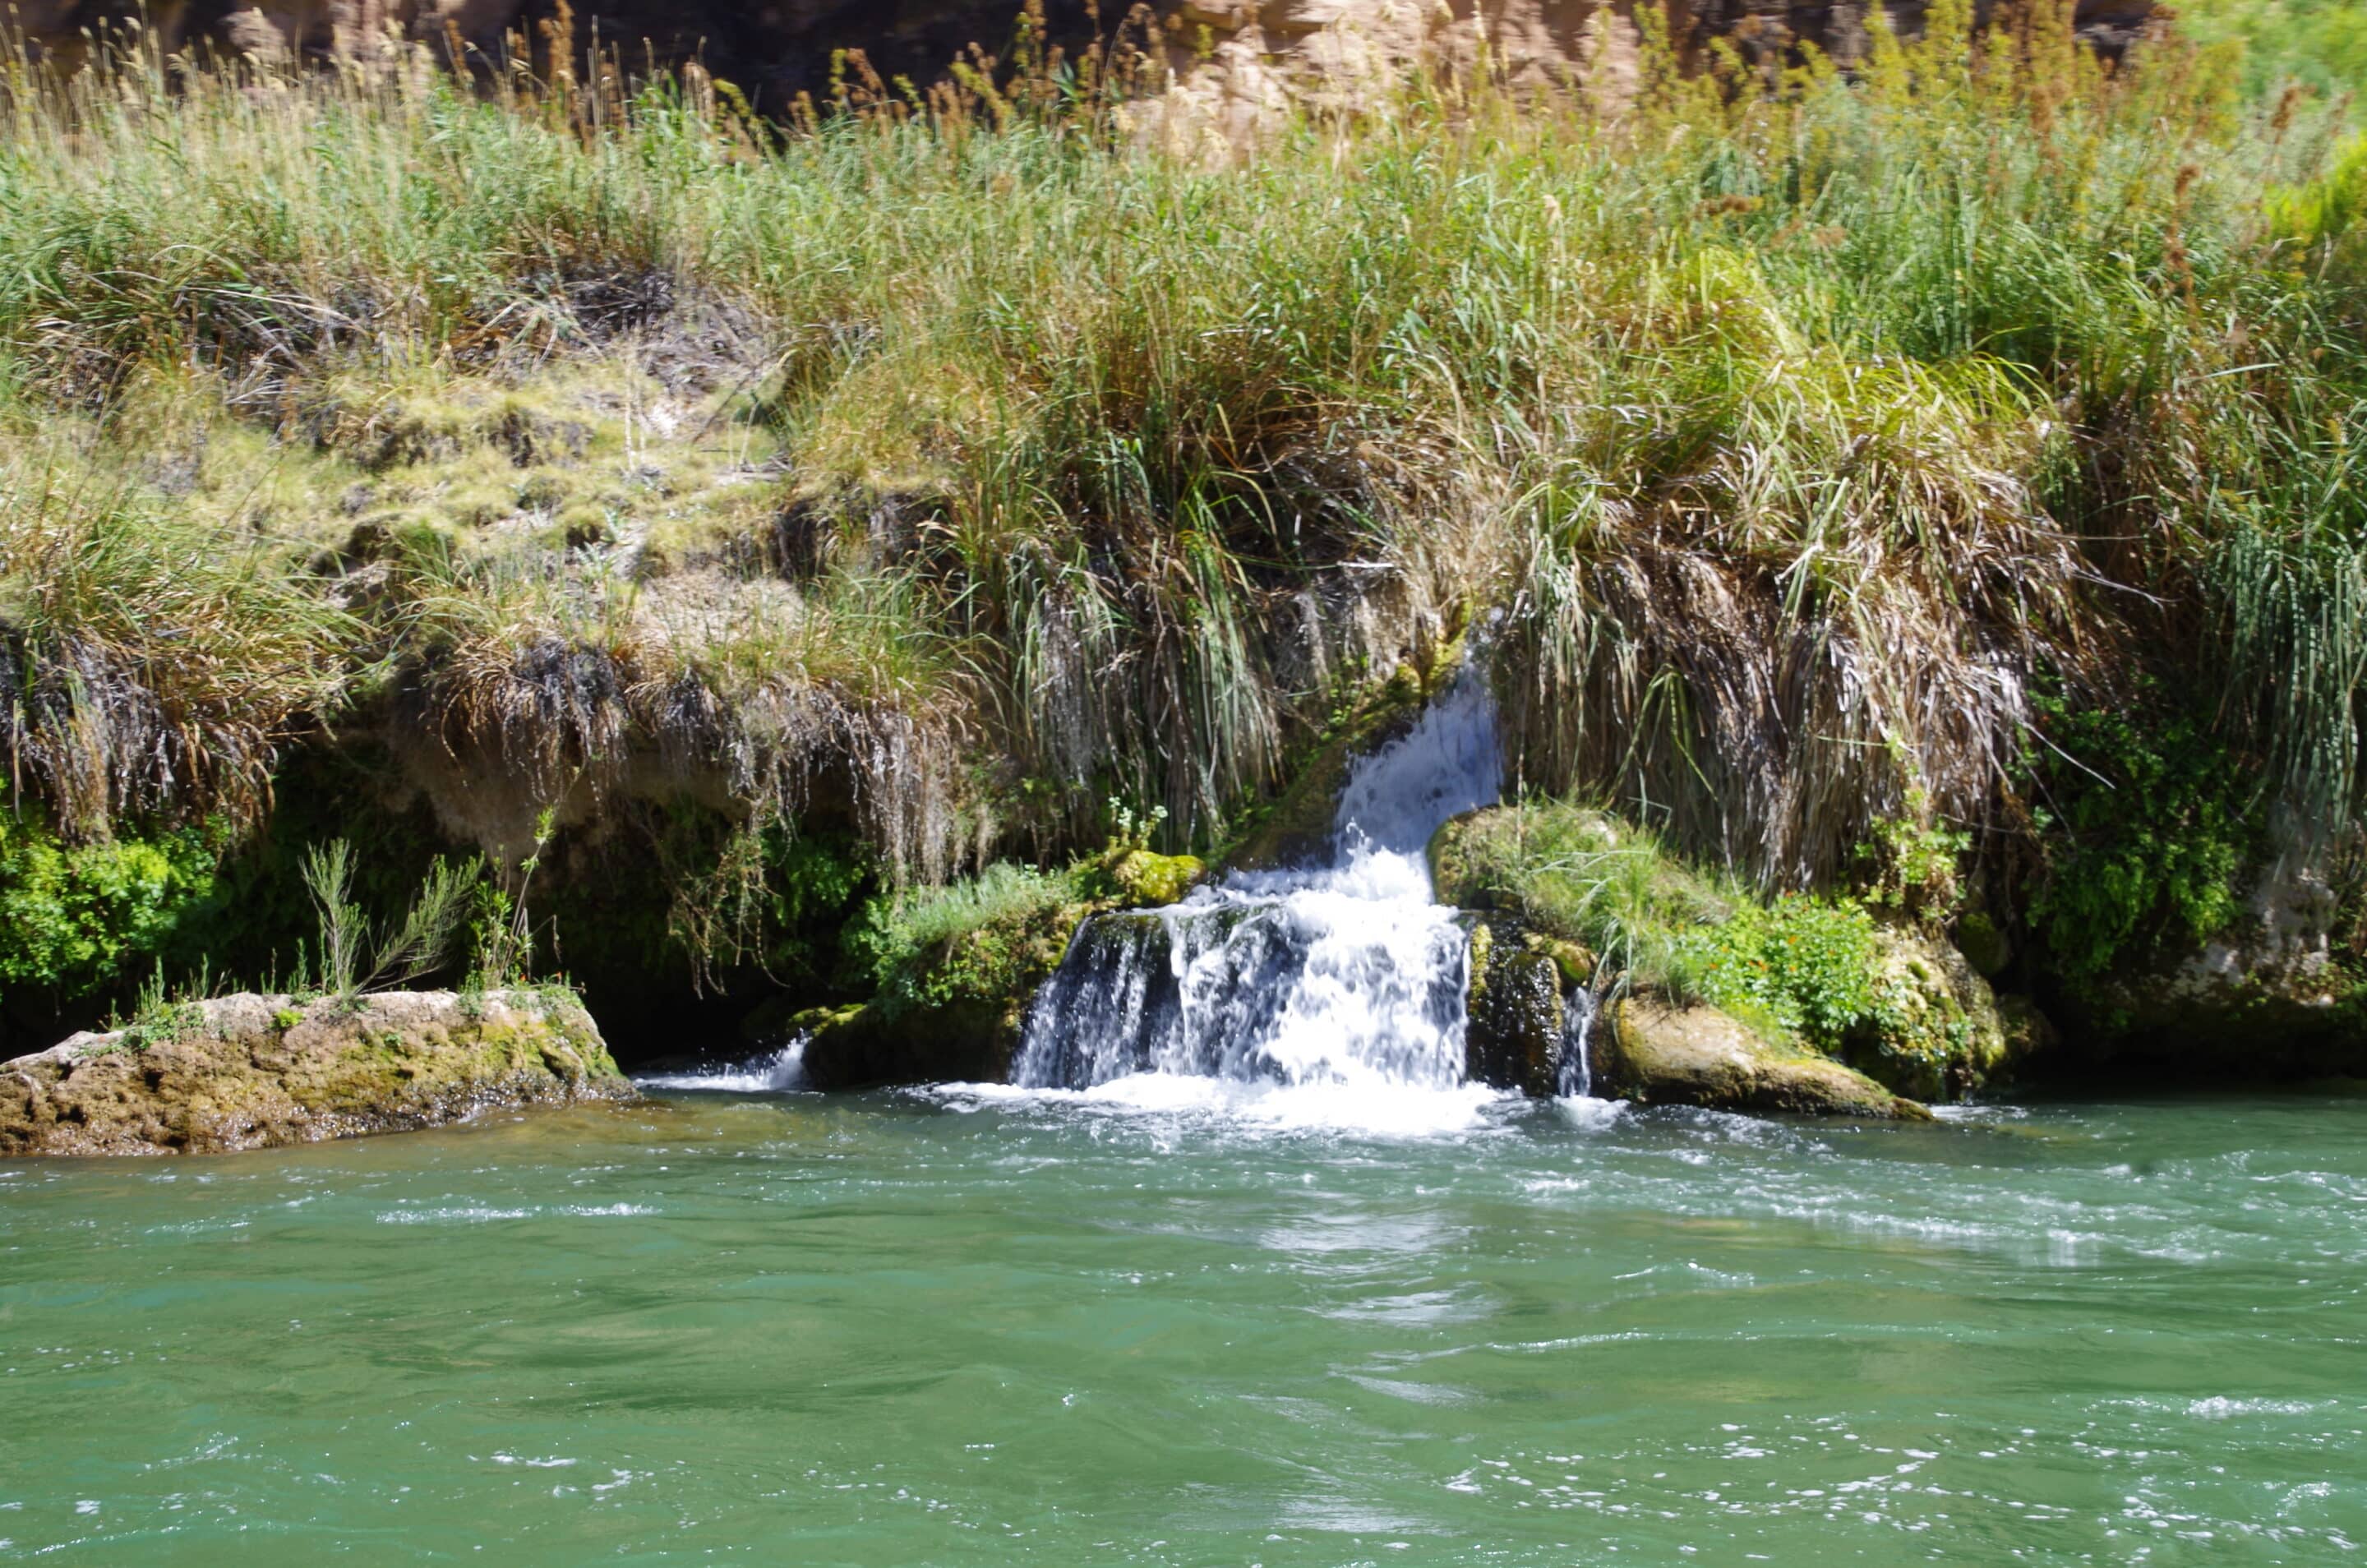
pixel 1185 1323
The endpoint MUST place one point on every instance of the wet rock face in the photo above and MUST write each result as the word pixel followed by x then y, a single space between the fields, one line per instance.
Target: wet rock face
pixel 250 1072
pixel 1697 1056
pixel 1516 1031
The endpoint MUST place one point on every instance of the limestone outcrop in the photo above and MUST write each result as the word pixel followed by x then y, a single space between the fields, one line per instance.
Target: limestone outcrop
pixel 249 1072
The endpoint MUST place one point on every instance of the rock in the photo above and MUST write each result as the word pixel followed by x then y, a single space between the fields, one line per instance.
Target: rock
pixel 1513 1028
pixel 1657 1055
pixel 869 1045
pixel 1936 1033
pixel 2268 993
pixel 954 1017
pixel 1143 880
pixel 249 1072
pixel 1520 983
pixel 1983 943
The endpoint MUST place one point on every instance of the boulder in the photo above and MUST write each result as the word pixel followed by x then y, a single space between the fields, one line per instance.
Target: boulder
pixel 1654 1054
pixel 952 1014
pixel 1936 1033
pixel 249 1072
pixel 1515 1010
pixel 869 1046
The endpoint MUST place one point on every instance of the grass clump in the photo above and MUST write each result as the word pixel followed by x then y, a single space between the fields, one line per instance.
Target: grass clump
pixel 984 941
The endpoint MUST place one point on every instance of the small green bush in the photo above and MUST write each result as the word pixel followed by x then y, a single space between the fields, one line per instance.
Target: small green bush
pixel 1807 965
pixel 2146 839
pixel 74 918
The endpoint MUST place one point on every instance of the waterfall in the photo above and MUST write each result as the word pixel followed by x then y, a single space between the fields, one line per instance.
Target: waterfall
pixel 1342 972
pixel 1575 1074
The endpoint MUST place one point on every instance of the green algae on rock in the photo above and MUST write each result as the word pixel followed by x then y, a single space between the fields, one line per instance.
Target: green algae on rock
pixel 248 1072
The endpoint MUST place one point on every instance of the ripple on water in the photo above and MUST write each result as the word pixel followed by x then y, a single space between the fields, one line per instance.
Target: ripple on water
pixel 1168 1326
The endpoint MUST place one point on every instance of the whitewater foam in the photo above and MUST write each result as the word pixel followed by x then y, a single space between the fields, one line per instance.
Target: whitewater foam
pixel 1345 977
pixel 1372 1109
pixel 776 1072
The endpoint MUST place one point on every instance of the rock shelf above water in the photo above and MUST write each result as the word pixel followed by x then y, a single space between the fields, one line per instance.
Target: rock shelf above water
pixel 249 1071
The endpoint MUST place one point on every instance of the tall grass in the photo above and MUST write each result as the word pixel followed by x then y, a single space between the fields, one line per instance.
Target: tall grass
pixel 1798 428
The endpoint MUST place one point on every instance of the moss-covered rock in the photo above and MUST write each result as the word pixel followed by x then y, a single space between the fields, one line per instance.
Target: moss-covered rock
pixel 1521 980
pixel 1654 1054
pixel 1934 1032
pixel 246 1072
pixel 1811 973
pixel 951 1012
pixel 1142 879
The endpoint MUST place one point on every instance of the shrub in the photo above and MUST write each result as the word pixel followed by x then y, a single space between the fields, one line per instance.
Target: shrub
pixel 1808 966
pixel 78 917
pixel 2147 833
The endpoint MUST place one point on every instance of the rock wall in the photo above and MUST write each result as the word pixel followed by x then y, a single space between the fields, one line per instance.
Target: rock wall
pixel 1237 57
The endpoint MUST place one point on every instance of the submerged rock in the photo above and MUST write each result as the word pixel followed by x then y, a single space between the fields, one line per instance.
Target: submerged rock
pixel 250 1072
pixel 1697 1056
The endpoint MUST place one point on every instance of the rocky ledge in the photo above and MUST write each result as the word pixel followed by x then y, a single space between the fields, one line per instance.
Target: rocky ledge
pixel 249 1072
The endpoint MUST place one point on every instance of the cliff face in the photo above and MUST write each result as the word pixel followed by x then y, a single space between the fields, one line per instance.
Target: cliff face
pixel 1229 47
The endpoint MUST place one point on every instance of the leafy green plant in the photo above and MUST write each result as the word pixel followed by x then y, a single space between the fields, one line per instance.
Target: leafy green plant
pixel 1808 966
pixel 2151 822
pixel 1917 865
pixel 74 917
pixel 358 956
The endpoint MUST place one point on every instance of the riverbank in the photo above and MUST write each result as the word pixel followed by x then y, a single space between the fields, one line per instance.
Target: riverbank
pixel 1923 489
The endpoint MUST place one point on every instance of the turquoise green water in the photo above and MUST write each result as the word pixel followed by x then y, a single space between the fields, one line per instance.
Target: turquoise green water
pixel 948 1330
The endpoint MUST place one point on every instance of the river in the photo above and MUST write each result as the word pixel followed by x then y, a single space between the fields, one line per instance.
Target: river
pixel 1187 1321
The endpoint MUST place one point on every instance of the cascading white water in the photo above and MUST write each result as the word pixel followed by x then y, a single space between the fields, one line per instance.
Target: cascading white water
pixel 1345 973
pixel 772 1073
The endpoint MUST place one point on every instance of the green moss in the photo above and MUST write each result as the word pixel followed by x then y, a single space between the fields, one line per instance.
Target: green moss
pixel 1141 878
